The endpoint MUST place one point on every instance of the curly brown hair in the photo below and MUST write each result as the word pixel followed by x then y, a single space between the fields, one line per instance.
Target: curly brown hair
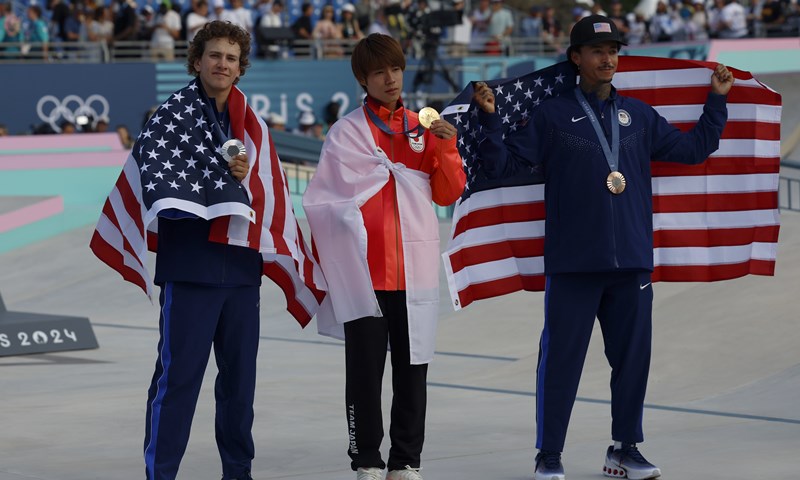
pixel 219 29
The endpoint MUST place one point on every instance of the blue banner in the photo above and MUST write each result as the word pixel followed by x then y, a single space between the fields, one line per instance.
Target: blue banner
pixel 288 87
pixel 40 97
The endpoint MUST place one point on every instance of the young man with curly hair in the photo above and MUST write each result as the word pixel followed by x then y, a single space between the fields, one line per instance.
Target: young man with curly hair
pixel 209 290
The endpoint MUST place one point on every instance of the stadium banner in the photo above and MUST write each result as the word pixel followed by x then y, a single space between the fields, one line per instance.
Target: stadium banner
pixel 283 87
pixel 125 92
pixel 44 95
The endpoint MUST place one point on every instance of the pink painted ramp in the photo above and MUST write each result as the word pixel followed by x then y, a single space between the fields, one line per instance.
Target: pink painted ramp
pixel 40 161
pixel 16 212
pixel 109 140
pixel 35 152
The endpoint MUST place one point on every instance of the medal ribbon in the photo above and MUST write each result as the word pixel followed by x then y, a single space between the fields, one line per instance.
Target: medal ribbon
pixel 612 153
pixel 218 119
pixel 419 129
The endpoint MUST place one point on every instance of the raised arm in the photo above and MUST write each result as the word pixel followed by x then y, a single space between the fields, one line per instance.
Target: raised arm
pixel 694 146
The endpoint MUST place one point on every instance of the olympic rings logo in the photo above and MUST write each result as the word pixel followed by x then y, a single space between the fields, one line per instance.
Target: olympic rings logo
pixel 70 108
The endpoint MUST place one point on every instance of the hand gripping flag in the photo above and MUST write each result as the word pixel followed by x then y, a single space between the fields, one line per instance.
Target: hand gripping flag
pixel 714 221
pixel 174 164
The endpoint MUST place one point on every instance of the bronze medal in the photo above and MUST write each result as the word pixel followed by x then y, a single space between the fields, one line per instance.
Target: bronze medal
pixel 615 183
pixel 427 115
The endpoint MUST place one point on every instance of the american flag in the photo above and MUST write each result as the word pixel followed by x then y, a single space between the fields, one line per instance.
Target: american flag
pixel 175 164
pixel 714 221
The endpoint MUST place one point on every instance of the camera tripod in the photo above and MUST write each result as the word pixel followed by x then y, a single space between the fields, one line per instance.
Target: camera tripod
pixel 431 65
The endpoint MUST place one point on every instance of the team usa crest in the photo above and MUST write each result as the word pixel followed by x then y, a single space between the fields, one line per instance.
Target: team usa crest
pixel 624 118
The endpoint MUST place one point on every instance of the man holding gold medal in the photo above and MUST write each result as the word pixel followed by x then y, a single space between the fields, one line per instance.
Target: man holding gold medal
pixel 593 148
pixel 377 238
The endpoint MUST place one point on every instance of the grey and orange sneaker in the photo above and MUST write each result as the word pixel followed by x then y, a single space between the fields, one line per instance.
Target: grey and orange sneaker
pixel 627 462
pixel 548 466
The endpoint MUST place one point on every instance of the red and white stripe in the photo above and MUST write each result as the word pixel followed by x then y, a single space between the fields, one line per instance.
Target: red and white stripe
pixel 714 221
pixel 119 238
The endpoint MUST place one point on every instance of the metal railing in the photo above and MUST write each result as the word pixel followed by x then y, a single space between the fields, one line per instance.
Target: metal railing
pixel 88 52
pixel 789 186
pixel 141 51
pixel 297 176
pixel 789 194
pixel 38 52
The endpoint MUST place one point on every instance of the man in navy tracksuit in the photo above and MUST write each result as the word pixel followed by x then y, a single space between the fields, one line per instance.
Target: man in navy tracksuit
pixel 594 148
pixel 209 295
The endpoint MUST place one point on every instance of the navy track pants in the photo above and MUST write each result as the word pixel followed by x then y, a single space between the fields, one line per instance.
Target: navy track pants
pixel 622 302
pixel 193 317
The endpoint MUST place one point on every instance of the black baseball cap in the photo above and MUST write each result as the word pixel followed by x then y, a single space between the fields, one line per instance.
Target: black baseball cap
pixel 594 29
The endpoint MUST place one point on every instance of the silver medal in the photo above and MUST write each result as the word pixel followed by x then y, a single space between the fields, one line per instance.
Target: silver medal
pixel 231 148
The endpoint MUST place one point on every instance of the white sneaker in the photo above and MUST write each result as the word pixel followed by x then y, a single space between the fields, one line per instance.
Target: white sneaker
pixel 407 473
pixel 369 474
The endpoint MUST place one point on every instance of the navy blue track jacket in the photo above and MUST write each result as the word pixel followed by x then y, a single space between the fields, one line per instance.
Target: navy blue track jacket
pixel 186 255
pixel 589 229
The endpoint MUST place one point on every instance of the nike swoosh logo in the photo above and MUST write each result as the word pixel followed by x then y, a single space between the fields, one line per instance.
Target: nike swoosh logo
pixel 578 119
pixel 642 287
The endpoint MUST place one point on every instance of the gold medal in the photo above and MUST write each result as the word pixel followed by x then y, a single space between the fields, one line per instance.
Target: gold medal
pixel 615 182
pixel 427 115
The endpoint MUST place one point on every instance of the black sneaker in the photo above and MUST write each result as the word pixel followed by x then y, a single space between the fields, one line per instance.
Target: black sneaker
pixel 548 466
pixel 627 462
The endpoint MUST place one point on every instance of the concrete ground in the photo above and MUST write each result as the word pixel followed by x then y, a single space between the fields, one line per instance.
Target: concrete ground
pixel 723 400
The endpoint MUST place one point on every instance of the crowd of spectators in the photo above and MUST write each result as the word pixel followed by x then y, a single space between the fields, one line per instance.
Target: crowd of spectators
pixel 68 25
pixel 672 21
pixel 686 20
pixel 490 26
pixel 479 27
